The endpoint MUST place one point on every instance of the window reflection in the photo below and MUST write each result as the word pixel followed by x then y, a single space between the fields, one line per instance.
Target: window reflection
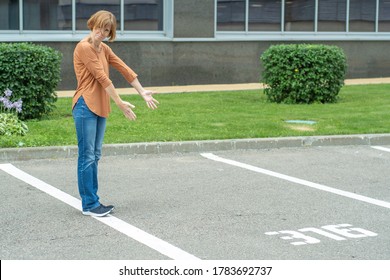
pixel 57 14
pixel 143 15
pixel 384 16
pixel 9 15
pixel 86 8
pixel 299 15
pixel 264 15
pixel 45 15
pixel 231 15
pixel 362 15
pixel 332 15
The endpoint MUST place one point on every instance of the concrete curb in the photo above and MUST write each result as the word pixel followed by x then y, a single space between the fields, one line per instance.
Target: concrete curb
pixel 14 154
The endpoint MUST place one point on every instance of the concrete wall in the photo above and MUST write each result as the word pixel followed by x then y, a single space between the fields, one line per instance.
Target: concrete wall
pixel 186 63
pixel 194 19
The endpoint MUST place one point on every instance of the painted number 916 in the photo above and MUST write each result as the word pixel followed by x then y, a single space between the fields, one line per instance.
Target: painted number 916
pixel 336 232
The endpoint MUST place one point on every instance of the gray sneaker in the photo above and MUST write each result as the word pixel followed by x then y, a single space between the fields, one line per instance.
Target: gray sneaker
pixel 99 211
pixel 109 206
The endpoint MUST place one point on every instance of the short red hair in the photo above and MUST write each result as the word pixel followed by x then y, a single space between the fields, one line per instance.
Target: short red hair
pixel 101 19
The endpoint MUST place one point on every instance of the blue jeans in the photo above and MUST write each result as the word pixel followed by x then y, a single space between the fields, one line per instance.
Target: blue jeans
pixel 90 130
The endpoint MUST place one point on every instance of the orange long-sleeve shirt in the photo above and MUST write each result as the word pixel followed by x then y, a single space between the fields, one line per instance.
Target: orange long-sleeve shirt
pixel 92 73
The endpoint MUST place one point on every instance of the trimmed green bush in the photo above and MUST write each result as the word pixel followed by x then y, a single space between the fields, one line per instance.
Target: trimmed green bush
pixel 303 73
pixel 31 72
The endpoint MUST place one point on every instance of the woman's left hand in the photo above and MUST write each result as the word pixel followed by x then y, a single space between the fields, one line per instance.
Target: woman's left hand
pixel 150 101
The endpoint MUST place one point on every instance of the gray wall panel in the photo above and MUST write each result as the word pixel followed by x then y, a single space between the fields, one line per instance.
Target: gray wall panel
pixel 194 19
pixel 186 63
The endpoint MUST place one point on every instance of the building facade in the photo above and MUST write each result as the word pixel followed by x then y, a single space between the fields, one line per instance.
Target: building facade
pixel 181 42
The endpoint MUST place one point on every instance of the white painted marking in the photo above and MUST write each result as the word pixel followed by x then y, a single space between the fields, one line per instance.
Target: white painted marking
pixel 272 233
pixel 381 148
pixel 42 186
pixel 345 230
pixel 298 181
pixel 298 243
pixel 137 234
pixel 322 232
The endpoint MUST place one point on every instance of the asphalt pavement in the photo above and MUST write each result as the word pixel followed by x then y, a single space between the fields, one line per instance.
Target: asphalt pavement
pixel 322 202
pixel 293 198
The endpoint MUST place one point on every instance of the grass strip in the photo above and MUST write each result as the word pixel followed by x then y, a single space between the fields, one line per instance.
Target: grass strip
pixel 361 109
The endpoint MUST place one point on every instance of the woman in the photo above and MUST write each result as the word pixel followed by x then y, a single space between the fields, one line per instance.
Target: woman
pixel 91 104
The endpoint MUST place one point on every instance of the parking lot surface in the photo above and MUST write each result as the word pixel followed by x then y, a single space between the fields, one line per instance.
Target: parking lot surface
pixel 314 203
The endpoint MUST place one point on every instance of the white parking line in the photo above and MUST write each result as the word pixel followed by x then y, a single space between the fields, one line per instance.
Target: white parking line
pixel 298 181
pixel 381 148
pixel 137 234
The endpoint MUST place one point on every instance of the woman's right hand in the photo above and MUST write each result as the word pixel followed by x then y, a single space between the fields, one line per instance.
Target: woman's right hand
pixel 126 108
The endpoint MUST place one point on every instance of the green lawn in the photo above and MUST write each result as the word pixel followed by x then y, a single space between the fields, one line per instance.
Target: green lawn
pixel 221 115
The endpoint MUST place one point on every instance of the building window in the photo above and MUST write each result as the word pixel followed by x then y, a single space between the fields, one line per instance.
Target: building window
pixel 362 15
pixel 85 8
pixel 264 15
pixel 231 15
pixel 303 16
pixel 9 15
pixel 43 15
pixel 332 15
pixel 299 15
pixel 147 15
pixel 384 16
pixel 21 17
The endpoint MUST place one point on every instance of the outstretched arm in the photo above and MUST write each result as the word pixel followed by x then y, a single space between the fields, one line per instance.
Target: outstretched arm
pixel 146 94
pixel 131 77
pixel 125 106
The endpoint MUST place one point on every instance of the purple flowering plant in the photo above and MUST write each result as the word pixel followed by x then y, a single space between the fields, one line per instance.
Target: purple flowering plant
pixel 8 105
pixel 9 122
